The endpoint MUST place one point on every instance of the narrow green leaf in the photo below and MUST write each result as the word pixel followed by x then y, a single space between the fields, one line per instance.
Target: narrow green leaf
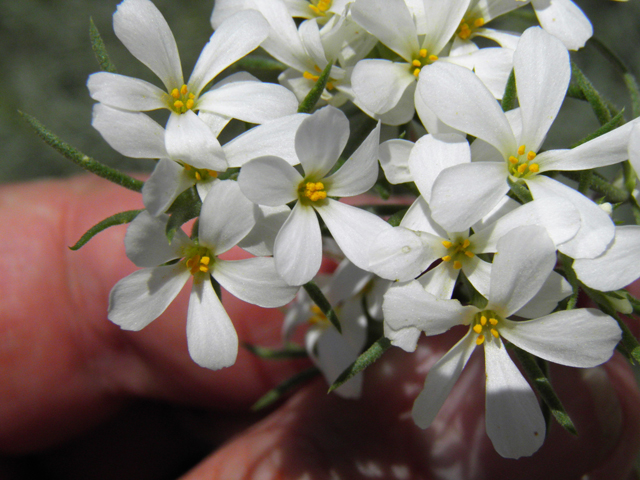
pixel 373 353
pixel 289 351
pixel 258 62
pixel 543 387
pixel 598 104
pixel 520 191
pixel 117 219
pixel 602 186
pixel 321 301
pixel 585 181
pixel 570 275
pixel 81 159
pixel 634 93
pixel 574 91
pixel 99 49
pixel 278 392
pixel 183 209
pixel 510 93
pixel 614 123
pixel 309 102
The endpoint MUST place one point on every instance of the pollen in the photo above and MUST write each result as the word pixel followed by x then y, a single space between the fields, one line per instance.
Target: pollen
pixel 181 100
pixel 521 149
pixel 433 58
pixel 522 168
pixel 457 251
pixel 314 191
pixel 534 167
pixel 446 258
pixel 321 7
pixel 310 76
pixel 420 60
pixel 477 328
pixel 423 52
pixel 447 244
pixel 479 22
pixel 531 155
pixel 513 160
pixel 457 265
pixel 480 340
pixel 485 325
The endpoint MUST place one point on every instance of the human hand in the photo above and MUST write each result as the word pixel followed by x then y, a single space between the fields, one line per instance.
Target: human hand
pixel 82 398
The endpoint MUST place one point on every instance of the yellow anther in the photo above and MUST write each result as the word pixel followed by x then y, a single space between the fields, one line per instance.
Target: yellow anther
pixel 457 265
pixel 314 191
pixel 446 258
pixel 198 176
pixel 534 167
pixel 531 155
pixel 495 333
pixel 480 340
pixel 178 104
pixel 493 321
pixel 316 309
pixel 433 58
pixel 522 168
pixel 521 150
pixel 447 243
pixel 315 196
pixel 466 243
pixel 477 328
pixel 464 26
pixel 189 104
pixel 212 173
pixel 187 167
pixel 416 63
pixel 184 90
pixel 310 76
pixel 469 254
pixel 513 159
pixel 416 72
pixel 483 320
pixel 479 22
pixel 192 96
pixel 175 93
pixel 423 52
pixel 205 260
pixel 203 268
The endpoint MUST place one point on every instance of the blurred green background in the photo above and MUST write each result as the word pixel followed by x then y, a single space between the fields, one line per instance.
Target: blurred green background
pixel 46 58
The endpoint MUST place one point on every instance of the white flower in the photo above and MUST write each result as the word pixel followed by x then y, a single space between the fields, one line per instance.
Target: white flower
pixel 226 218
pixel 146 34
pixel 578 338
pixel 272 181
pixel 507 144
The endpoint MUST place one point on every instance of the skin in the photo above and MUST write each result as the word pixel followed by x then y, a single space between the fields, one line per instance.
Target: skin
pixel 81 398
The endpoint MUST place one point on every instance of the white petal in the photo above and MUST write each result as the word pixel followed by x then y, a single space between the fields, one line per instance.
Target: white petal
pixel 320 140
pixel 405 338
pixel 634 148
pixel 137 300
pixel 463 194
pixel 143 30
pixel 232 40
pixel 131 134
pixel 211 337
pixel 492 66
pixel 460 99
pixel 434 153
pixel 525 257
pixel 262 237
pixel 394 160
pixel 597 229
pixel 390 22
pixel 274 138
pixel 563 19
pixel 514 421
pixel 269 181
pixel 353 229
pixel 226 217
pixel 555 288
pixel 146 242
pixel 418 218
pixel 190 140
pixel 400 254
pixel 253 102
pixel 408 305
pixel 429 119
pixel 617 267
pixel 541 65
pixel 440 380
pixel 168 180
pixel 479 274
pixel 360 172
pixel 298 246
pixel 584 337
pixel 380 84
pixel 442 21
pixel 125 92
pixel 254 280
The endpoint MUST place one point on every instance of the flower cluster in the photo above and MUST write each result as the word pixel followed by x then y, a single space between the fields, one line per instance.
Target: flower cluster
pixel 495 237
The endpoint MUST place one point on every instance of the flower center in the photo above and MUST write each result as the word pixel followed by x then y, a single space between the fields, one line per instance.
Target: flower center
pixel 198 260
pixel 315 77
pixel 181 100
pixel 485 324
pixel 421 60
pixel 457 251
pixel 468 25
pixel 320 7
pixel 312 191
pixel 519 166
pixel 199 173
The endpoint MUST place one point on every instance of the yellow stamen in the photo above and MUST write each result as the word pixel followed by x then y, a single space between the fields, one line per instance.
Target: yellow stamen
pixel 478 23
pixel 189 104
pixel 416 72
pixel 469 254
pixel 480 340
pixel 184 90
pixel 447 243
pixel 310 76
pixel 477 328
pixel 175 93
pixel 493 321
pixel 531 155
pixel 495 333
pixel 466 243
pixel 513 159
pixel 416 63
pixel 522 168
pixel 205 260
pixel 433 58
pixel 423 52
pixel 446 258
pixel 483 320
pixel 521 150
pixel 457 265
pixel 534 167
pixel 315 191
pixel 178 104
pixel 198 176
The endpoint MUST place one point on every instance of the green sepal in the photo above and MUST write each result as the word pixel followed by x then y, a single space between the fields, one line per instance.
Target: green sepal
pixel 290 351
pixel 614 123
pixel 321 301
pixel 81 159
pixel 258 62
pixel 542 385
pixel 574 91
pixel 278 392
pixel 629 342
pixel 373 353
pixel 520 191
pixel 185 207
pixel 598 104
pixel 570 275
pixel 309 102
pixel 510 93
pixel 99 49
pixel 585 181
pixel 117 219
